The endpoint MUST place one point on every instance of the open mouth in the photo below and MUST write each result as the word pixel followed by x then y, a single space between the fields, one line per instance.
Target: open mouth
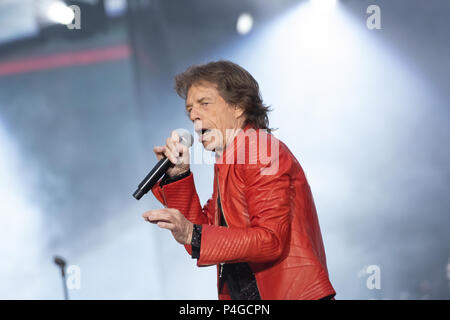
pixel 201 134
pixel 203 131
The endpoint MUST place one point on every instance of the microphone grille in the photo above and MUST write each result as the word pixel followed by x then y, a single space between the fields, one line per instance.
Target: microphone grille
pixel 185 137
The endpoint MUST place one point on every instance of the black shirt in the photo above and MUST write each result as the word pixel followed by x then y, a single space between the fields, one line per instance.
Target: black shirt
pixel 239 276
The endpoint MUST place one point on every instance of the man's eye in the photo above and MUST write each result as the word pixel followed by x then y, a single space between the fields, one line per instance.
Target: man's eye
pixel 204 103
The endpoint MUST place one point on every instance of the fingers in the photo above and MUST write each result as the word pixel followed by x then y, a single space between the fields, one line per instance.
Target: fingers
pixel 166 225
pixel 175 147
pixel 179 147
pixel 175 136
pixel 164 218
pixel 159 152
pixel 173 220
pixel 164 215
pixel 157 215
pixel 171 151
pixel 182 149
pixel 167 152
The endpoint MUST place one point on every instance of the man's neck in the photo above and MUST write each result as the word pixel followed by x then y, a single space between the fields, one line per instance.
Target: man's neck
pixel 229 140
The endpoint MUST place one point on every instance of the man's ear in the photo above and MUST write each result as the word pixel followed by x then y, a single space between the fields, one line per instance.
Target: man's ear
pixel 238 111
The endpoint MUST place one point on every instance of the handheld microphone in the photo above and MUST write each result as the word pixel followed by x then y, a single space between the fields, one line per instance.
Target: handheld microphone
pixel 161 167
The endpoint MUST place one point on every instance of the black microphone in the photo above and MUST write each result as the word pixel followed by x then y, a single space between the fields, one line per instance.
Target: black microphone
pixel 161 167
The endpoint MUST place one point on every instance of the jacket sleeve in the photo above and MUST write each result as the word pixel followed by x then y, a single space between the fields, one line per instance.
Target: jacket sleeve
pixel 268 202
pixel 182 195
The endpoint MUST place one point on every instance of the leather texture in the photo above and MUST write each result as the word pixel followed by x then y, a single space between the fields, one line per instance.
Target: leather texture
pixel 271 217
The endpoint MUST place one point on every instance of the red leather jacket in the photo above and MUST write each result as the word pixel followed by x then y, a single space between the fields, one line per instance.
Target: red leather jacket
pixel 271 217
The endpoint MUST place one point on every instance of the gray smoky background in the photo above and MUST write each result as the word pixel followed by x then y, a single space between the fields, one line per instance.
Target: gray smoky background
pixel 365 111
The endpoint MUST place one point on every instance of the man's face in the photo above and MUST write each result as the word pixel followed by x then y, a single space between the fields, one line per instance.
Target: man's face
pixel 214 119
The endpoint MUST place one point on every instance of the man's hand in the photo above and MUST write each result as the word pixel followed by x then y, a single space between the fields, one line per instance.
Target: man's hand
pixel 173 220
pixel 176 152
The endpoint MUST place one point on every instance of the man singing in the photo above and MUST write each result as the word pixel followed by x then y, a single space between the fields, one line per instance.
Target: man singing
pixel 260 226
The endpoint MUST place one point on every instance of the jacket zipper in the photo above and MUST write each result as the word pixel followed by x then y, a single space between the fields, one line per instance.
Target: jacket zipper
pixel 217 218
pixel 220 200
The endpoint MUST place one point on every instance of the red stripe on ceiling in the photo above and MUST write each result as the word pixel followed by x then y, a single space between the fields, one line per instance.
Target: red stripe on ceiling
pixel 60 60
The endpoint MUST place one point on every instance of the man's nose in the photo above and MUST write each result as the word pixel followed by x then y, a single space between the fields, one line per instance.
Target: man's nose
pixel 194 115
